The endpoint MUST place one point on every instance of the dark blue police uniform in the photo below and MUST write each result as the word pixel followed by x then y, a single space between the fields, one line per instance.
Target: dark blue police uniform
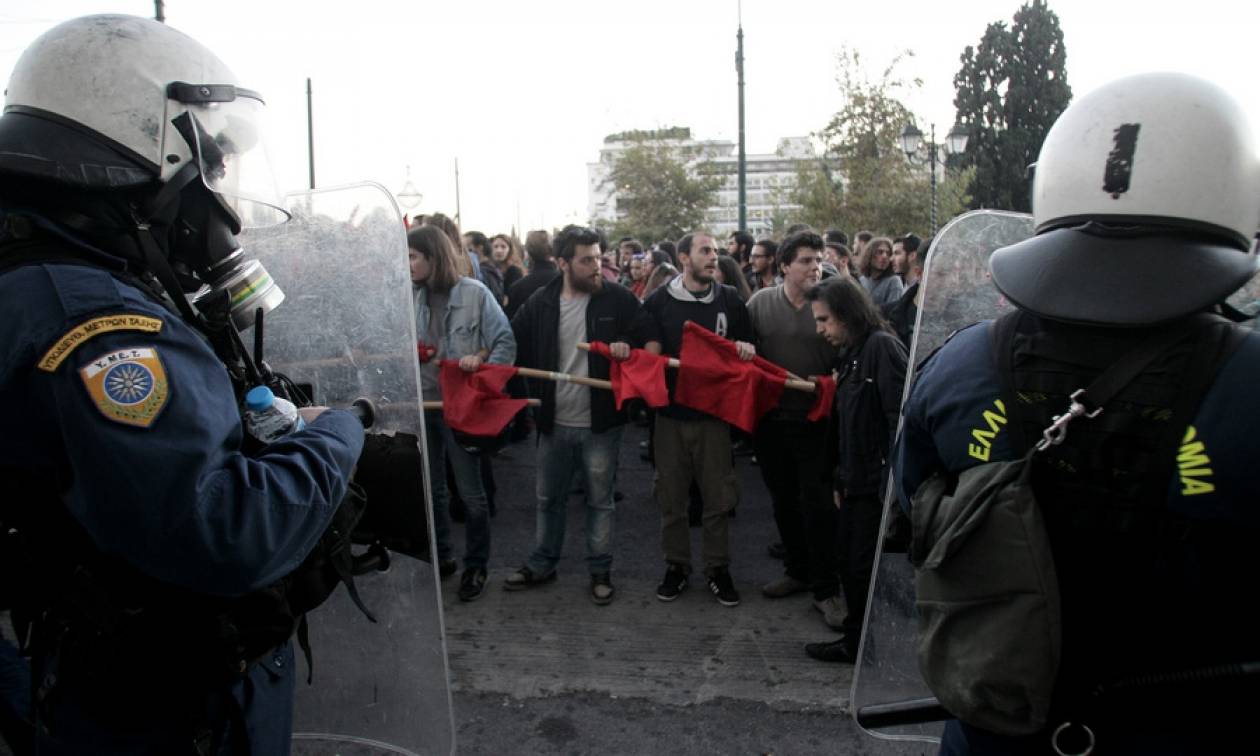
pixel 955 419
pixel 125 409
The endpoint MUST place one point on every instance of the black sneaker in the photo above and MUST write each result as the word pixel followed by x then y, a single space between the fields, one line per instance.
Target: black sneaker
pixel 723 587
pixel 472 584
pixel 673 584
pixel 842 651
pixel 447 567
pixel 601 589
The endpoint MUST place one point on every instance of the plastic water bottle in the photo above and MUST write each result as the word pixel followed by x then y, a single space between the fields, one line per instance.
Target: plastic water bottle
pixel 268 417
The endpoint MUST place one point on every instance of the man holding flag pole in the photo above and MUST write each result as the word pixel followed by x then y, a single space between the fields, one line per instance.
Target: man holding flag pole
pixel 693 444
pixel 579 425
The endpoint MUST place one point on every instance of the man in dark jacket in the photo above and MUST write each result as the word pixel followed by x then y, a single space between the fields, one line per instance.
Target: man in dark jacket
pixel 579 427
pixel 542 271
pixel 872 373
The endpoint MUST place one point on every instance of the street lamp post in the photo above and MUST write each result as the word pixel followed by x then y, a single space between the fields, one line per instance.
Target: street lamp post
pixel 912 142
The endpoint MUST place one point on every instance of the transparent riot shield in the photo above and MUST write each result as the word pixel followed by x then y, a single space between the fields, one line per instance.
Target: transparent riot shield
pixel 346 331
pixel 888 691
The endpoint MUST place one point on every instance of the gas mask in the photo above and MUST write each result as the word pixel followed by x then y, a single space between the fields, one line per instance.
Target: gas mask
pixel 203 249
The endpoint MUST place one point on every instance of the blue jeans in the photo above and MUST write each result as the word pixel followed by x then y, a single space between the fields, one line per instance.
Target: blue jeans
pixel 562 453
pixel 467 468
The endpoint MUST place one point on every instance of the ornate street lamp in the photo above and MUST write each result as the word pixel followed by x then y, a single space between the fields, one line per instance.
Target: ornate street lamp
pixel 409 197
pixel 911 140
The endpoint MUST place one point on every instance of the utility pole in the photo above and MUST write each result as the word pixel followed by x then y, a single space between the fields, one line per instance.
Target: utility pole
pixel 743 163
pixel 159 11
pixel 310 134
pixel 457 219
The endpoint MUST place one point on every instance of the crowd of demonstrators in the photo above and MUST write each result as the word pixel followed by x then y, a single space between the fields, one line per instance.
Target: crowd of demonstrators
pixel 691 445
pixel 739 248
pixel 506 254
pixel 628 250
pixel 488 273
pixel 840 259
pixel 798 303
pixel 579 427
pixel 878 277
pixel 638 275
pixel 762 265
pixel 791 449
pixel 457 318
pixel 661 271
pixel 728 273
pixel 860 240
pixel 542 269
pixel 909 252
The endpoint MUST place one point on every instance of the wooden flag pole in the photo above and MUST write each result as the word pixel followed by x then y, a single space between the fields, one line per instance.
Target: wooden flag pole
pixel 438 405
pixel 793 381
pixel 547 375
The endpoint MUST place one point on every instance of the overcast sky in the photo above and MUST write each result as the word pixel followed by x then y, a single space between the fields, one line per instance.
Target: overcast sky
pixel 523 92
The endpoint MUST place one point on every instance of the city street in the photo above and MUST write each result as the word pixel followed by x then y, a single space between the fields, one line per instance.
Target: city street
pixel 548 671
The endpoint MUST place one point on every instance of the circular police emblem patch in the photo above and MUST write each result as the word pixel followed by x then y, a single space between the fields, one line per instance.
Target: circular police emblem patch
pixel 128 383
pixel 128 386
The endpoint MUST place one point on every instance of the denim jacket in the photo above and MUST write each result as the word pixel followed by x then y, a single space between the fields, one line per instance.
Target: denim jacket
pixel 473 320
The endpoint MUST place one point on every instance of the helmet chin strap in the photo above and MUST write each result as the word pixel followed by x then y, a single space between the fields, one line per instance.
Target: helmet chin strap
pixel 155 250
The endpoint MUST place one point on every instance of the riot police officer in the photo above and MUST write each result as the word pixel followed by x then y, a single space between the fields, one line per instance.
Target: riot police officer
pixel 1146 202
pixel 154 538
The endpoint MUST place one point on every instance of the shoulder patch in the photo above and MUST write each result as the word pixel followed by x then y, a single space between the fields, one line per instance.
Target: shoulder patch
pixel 80 334
pixel 128 386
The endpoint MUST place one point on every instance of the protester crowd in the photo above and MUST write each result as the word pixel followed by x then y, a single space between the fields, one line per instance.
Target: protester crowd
pixel 806 307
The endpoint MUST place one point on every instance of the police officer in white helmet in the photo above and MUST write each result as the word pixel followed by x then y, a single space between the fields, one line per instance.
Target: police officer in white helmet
pixel 1146 202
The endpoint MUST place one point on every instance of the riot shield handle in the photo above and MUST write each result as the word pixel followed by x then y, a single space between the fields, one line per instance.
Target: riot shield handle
pixel 897 713
pixel 365 411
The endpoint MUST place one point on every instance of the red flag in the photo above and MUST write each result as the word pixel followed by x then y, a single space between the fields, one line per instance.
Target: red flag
pixel 474 403
pixel 642 375
pixel 822 402
pixel 713 379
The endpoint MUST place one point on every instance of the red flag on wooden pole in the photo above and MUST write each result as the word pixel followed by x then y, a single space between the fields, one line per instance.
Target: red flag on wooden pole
pixel 713 379
pixel 822 402
pixel 474 403
pixel 642 376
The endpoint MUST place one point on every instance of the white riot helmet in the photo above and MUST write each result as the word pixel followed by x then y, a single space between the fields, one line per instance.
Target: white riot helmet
pixel 123 100
pixel 1146 201
pixel 123 103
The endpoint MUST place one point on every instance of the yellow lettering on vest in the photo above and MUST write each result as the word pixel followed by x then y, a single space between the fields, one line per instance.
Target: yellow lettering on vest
pixel 1193 464
pixel 981 450
pixel 994 419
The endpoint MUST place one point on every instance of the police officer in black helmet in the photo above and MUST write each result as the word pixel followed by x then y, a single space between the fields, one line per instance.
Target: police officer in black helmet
pixel 146 541
pixel 1146 203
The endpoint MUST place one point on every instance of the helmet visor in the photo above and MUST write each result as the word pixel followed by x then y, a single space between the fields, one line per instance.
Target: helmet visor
pixel 226 140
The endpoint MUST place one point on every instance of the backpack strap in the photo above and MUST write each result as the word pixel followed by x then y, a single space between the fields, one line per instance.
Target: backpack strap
pixel 1002 345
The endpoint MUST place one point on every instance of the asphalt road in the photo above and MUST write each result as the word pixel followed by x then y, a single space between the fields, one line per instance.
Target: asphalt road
pixel 546 671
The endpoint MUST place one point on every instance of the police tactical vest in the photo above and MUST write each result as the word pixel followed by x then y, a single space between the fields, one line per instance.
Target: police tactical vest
pixel 1143 588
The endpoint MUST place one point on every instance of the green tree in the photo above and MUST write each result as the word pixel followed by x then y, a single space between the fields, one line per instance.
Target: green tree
pixel 1009 91
pixel 662 189
pixel 875 187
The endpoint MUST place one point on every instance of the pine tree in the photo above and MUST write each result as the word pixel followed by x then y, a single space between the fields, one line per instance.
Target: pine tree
pixel 1009 91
